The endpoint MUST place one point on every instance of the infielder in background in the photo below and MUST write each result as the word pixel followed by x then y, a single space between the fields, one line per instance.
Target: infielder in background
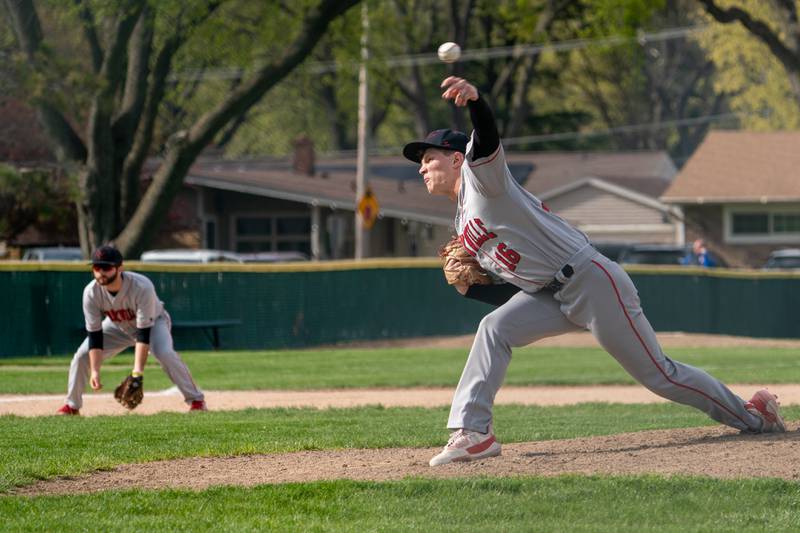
pixel 560 284
pixel 121 309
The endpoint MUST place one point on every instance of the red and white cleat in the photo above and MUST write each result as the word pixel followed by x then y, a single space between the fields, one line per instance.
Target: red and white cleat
pixel 66 410
pixel 198 405
pixel 765 405
pixel 466 445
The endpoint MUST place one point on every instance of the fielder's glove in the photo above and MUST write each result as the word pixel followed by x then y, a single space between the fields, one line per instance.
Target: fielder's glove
pixel 130 392
pixel 460 268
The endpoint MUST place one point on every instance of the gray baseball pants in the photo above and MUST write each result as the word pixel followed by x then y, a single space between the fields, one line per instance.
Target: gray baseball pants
pixel 114 341
pixel 600 297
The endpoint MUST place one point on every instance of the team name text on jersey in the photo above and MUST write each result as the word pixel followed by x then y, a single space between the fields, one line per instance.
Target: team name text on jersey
pixel 476 235
pixel 121 315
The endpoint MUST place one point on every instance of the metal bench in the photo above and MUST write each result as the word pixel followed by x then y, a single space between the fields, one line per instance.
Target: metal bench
pixel 210 328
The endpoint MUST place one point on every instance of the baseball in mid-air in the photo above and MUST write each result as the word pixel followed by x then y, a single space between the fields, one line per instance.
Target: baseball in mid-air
pixel 449 52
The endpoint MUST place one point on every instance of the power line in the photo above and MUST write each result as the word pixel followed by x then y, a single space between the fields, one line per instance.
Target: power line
pixel 477 54
pixel 481 54
pixel 571 135
pixel 628 128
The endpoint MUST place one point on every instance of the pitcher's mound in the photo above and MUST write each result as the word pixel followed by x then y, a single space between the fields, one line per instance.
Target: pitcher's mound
pixel 714 452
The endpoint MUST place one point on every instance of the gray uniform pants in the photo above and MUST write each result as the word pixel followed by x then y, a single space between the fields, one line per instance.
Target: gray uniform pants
pixel 114 341
pixel 600 297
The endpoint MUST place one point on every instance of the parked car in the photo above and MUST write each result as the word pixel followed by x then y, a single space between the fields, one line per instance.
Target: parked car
pixel 654 254
pixel 53 253
pixel 273 257
pixel 188 255
pixel 788 258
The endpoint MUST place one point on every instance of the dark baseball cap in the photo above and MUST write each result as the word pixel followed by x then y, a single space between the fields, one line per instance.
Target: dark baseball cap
pixel 444 139
pixel 107 255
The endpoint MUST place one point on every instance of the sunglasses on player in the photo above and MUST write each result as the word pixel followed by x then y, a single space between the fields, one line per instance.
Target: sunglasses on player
pixel 103 268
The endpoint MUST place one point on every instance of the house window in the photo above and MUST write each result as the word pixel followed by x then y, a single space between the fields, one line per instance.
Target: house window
pixel 293 234
pixel 254 234
pixel 759 225
pixel 210 232
pixel 294 225
pixel 282 232
pixel 750 223
pixel 786 223
pixel 248 227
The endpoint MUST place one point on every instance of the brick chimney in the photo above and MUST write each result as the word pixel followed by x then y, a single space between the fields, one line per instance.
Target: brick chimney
pixel 303 156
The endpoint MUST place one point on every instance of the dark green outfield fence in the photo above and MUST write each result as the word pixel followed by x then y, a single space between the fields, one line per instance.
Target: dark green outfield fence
pixel 311 304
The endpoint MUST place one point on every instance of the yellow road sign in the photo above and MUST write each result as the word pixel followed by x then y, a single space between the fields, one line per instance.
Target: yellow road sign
pixel 368 208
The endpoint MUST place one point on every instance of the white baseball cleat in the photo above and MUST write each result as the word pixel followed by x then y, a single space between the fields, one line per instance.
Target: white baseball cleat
pixel 764 405
pixel 466 445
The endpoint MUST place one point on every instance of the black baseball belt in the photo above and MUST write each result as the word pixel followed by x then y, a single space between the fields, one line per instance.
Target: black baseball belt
pixel 561 277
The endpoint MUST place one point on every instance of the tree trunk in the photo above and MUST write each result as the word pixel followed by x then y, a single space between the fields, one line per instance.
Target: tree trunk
pixel 99 180
pixel 152 209
pixel 125 107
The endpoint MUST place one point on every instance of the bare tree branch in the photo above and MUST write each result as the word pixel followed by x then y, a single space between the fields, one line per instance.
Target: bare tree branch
pixel 136 156
pixel 28 30
pixel 90 31
pixel 100 190
pixel 125 124
pixel 758 28
pixel 789 23
pixel 139 50
pixel 178 159
pixel 26 25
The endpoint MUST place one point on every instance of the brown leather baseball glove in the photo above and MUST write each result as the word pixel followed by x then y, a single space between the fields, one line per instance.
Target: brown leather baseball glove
pixel 130 392
pixel 460 268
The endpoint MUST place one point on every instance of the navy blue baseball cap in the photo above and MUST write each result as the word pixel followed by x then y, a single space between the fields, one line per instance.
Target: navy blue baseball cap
pixel 107 255
pixel 443 139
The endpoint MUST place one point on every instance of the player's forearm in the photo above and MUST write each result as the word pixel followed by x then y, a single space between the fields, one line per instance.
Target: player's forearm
pixel 486 138
pixel 141 349
pixel 95 359
pixel 140 352
pixel 495 295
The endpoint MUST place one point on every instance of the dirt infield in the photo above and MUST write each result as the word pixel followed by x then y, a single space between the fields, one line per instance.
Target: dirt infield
pixel 171 400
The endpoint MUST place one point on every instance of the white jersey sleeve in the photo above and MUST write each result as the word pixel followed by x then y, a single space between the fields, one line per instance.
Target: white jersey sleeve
pixel 489 174
pixel 92 312
pixel 146 305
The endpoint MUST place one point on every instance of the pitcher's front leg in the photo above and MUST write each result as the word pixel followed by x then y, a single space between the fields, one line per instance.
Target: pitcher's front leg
pixel 524 319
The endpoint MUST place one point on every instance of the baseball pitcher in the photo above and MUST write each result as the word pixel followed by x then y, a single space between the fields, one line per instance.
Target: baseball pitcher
pixel 546 280
pixel 121 309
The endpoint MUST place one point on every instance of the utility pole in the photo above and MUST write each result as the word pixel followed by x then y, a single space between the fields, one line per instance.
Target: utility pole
pixel 362 165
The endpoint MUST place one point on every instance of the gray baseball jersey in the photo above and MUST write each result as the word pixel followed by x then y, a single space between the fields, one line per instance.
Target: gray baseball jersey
pixel 511 232
pixel 135 306
pixel 515 236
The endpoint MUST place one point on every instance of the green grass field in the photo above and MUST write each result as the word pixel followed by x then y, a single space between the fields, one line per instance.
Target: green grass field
pixel 399 367
pixel 567 503
pixel 41 448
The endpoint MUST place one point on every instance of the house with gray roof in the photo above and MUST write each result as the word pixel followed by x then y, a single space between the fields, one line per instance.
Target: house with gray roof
pixel 272 205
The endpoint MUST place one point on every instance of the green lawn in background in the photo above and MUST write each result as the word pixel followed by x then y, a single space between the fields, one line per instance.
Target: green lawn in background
pixel 398 367
pixel 567 503
pixel 42 447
